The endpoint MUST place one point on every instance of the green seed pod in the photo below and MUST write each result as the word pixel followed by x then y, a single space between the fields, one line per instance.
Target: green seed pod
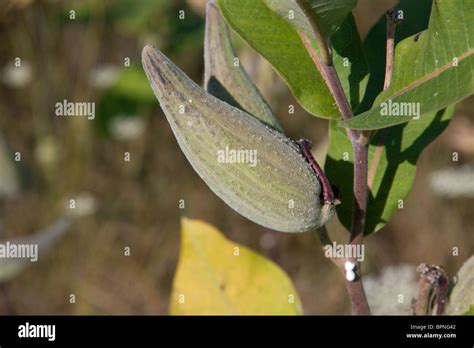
pixel 255 169
pixel 224 76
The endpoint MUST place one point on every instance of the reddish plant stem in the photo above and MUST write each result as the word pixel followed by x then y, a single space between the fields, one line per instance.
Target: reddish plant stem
pixel 433 290
pixel 391 16
pixel 330 76
pixel 360 145
pixel 360 193
pixel 355 288
pixel 328 193
pixel 390 48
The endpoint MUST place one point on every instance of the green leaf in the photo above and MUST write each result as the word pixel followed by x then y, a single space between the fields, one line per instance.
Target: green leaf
pixel 462 295
pixel 350 61
pixel 416 18
pixel 278 42
pixel 433 68
pixel 393 154
pixel 132 84
pixel 130 95
pixel 329 13
pixel 216 276
pixel 281 44
pixel 470 311
pixel 226 80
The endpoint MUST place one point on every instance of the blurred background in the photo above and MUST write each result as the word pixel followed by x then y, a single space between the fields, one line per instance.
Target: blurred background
pixel 95 57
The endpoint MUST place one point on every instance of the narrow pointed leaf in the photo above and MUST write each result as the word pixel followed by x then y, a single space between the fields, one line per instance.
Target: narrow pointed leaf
pixel 224 76
pixel 216 276
pixel 272 185
pixel 432 69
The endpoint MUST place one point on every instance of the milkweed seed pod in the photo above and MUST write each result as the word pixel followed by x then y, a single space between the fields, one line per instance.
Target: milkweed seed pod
pixel 255 169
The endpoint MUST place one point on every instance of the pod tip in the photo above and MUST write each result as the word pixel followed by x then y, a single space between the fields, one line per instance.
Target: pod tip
pixel 148 50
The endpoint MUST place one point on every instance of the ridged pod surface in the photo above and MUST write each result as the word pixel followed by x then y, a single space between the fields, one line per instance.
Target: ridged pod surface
pixel 279 192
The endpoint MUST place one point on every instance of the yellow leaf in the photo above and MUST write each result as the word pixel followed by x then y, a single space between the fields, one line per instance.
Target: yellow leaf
pixel 216 276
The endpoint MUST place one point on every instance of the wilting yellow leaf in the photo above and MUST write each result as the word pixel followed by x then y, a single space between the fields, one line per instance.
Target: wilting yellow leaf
pixel 216 276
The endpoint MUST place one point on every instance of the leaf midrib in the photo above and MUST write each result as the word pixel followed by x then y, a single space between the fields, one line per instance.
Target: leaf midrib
pixel 431 75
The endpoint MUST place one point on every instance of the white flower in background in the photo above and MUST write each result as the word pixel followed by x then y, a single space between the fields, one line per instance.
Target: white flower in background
pixel 81 205
pixel 127 127
pixel 103 76
pixel 47 154
pixel 453 182
pixel 392 291
pixel 17 76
